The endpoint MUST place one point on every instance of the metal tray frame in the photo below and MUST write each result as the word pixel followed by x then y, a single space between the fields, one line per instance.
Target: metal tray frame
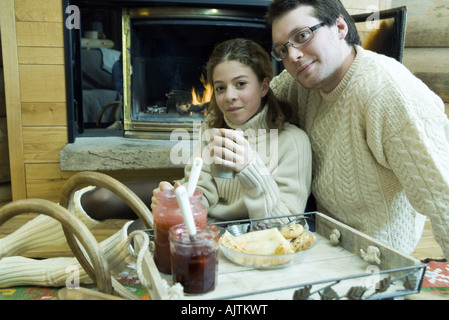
pixel 397 276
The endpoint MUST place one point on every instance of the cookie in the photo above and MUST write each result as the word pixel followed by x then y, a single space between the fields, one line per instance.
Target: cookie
pixel 303 242
pixel 292 231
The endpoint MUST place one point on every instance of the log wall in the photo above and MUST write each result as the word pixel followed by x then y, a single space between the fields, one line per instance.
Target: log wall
pixel 426 51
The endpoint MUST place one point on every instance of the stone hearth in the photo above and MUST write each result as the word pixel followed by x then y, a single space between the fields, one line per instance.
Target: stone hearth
pixel 118 153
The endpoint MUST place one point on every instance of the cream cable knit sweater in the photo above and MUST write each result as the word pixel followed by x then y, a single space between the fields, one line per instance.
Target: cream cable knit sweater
pixel 269 186
pixel 380 144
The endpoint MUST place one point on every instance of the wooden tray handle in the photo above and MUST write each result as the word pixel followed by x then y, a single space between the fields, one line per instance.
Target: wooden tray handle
pixel 129 197
pixel 102 180
pixel 71 225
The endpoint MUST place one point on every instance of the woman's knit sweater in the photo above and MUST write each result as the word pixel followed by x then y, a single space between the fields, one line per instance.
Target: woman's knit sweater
pixel 380 144
pixel 277 182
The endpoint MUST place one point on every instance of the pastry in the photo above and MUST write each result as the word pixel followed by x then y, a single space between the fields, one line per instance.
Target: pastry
pixel 269 241
pixel 303 242
pixel 292 231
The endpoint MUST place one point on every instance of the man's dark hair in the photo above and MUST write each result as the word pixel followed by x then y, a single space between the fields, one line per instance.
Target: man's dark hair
pixel 325 10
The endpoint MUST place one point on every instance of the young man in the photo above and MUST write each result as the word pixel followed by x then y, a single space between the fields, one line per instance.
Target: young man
pixel 379 136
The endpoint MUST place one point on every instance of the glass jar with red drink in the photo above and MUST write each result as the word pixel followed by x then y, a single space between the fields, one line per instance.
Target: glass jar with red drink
pixel 194 260
pixel 167 214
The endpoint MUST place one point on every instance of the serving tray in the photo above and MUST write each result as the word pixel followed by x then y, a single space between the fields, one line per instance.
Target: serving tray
pixel 345 264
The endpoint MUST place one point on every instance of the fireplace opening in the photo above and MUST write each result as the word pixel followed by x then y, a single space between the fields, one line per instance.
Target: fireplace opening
pixel 138 68
pixel 166 59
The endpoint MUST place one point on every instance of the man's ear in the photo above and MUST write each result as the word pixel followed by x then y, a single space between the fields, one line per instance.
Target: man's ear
pixel 342 27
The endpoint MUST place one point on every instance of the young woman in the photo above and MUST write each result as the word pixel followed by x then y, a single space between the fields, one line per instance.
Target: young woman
pixel 278 184
pixel 272 160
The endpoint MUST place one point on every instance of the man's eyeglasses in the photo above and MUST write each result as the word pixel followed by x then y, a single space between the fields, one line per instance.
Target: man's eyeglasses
pixel 298 40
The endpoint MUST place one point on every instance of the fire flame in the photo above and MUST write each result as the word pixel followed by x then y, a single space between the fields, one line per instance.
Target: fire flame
pixel 197 99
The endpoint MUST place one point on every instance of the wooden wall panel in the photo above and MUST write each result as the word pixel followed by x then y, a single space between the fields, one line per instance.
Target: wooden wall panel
pixel 51 171
pixel 41 55
pixel 39 47
pixel 44 114
pixel 45 189
pixel 51 178
pixel 45 180
pixel 46 171
pixel 43 144
pixel 40 50
pixel 38 10
pixel 33 89
pixel 37 34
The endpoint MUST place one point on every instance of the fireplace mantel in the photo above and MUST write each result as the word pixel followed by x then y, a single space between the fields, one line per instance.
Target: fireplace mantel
pixel 118 153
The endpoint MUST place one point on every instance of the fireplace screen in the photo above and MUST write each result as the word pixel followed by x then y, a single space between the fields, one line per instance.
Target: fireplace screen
pixel 164 56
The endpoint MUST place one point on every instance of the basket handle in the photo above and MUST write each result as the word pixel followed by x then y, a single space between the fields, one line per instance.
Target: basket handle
pixel 71 225
pixel 127 195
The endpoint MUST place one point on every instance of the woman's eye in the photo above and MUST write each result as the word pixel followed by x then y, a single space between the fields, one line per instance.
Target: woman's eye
pixel 219 89
pixel 241 84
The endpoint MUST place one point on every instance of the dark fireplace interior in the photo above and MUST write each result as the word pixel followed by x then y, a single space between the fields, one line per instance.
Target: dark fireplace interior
pixel 145 63
pixel 168 61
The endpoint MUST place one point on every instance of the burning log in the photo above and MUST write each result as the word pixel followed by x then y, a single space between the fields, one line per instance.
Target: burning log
pixel 192 108
pixel 190 103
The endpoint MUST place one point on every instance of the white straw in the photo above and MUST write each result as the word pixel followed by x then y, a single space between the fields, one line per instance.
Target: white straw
pixel 184 205
pixel 194 175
